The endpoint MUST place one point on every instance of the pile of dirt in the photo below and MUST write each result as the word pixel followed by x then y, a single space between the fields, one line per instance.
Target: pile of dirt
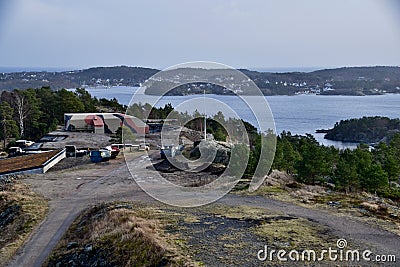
pixel 69 163
pixel 166 166
pixel 180 176
pixel 189 179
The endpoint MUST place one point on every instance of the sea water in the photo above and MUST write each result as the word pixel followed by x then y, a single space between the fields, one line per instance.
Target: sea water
pixel 298 114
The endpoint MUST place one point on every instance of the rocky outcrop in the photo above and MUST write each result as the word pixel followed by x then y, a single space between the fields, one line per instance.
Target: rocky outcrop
pixel 222 155
pixel 8 214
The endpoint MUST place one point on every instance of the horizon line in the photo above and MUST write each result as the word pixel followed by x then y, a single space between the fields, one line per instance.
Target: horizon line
pixel 16 69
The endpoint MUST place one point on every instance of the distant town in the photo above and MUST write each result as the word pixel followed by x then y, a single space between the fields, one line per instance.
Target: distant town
pixel 341 81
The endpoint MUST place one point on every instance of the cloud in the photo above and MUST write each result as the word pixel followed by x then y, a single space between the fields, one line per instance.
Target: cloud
pixel 159 33
pixel 5 12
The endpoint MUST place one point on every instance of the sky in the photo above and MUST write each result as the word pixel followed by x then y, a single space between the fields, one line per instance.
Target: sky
pixel 159 33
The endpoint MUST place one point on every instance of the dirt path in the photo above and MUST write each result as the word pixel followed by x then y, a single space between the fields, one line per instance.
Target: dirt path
pixel 72 191
pixel 358 232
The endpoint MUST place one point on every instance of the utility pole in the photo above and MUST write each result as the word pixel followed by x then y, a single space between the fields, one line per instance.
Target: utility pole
pixel 4 129
pixel 205 115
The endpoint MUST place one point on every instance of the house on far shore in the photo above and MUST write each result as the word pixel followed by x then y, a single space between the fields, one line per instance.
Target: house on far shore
pixel 103 123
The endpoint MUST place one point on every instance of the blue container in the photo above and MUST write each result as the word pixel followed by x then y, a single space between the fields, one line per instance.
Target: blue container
pixel 95 156
pixel 99 155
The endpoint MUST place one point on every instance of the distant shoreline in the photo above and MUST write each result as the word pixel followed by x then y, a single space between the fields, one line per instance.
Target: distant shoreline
pixel 193 94
pixel 354 81
pixel 258 69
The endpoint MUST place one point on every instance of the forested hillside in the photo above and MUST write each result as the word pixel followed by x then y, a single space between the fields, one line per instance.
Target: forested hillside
pixel 341 81
pixel 366 130
pixel 99 76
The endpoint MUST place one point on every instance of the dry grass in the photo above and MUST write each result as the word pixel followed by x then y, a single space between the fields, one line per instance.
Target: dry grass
pixel 279 229
pixel 30 210
pixel 239 212
pixel 122 235
pixel 294 233
pixel 276 192
pixel 131 235
pixel 381 212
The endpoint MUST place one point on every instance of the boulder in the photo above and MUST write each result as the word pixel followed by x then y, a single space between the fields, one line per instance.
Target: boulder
pixel 222 154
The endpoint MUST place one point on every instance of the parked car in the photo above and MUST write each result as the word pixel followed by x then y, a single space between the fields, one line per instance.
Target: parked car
pixel 119 146
pixel 15 151
pixel 169 151
pixel 144 147
pixel 100 155
pixel 72 152
pixel 23 143
pixel 113 150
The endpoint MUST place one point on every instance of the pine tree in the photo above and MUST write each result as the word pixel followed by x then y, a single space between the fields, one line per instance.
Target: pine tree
pixel 9 127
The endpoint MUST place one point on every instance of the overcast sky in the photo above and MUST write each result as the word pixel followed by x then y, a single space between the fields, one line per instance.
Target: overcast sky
pixel 152 33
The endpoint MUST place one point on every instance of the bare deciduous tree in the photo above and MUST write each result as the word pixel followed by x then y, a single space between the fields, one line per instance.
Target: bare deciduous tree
pixel 22 109
pixel 7 124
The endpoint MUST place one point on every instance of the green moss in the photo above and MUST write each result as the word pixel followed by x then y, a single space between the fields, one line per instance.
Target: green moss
pixel 239 212
pixel 293 233
pixel 346 201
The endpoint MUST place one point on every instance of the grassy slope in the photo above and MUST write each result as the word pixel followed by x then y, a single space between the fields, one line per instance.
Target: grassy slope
pixel 117 235
pixel 22 210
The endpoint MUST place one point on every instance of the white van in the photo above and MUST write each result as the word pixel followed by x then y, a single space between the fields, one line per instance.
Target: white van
pixel 23 143
pixel 144 147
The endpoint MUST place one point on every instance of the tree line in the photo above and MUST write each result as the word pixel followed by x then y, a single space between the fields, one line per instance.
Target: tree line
pixel 32 113
pixel 374 170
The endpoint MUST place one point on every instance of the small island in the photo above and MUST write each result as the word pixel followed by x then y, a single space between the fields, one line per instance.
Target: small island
pixel 369 130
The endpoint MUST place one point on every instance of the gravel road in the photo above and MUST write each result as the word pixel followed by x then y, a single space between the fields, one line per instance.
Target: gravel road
pixel 71 191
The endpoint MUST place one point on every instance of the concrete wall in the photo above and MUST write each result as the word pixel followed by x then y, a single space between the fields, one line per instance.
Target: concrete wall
pixel 53 161
pixel 30 171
